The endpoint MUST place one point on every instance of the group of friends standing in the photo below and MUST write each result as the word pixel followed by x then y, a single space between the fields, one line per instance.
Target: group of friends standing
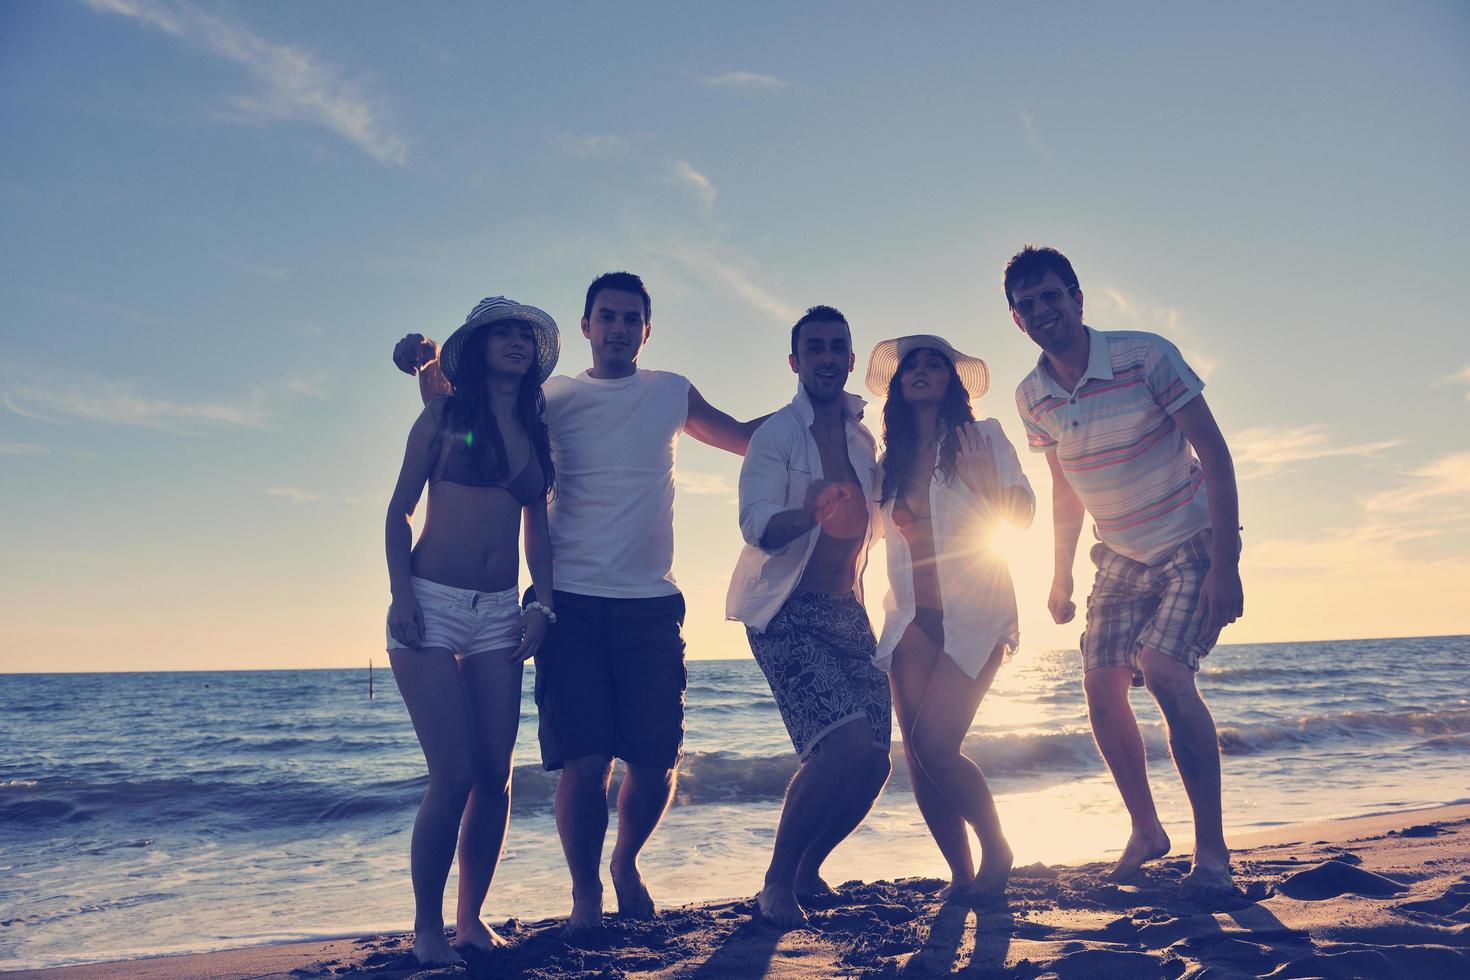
pixel 583 468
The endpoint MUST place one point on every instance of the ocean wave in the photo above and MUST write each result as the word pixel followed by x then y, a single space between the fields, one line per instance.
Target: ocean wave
pixel 1346 725
pixel 246 798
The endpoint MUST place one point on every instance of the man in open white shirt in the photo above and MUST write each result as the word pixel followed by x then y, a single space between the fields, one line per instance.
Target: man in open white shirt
pixel 807 491
pixel 1117 413
pixel 610 675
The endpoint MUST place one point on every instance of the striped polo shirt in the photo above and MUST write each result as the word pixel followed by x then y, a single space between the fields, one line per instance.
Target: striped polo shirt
pixel 1117 442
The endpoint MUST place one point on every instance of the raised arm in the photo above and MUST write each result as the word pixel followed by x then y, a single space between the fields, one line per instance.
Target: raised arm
pixel 1066 518
pixel 714 428
pixel 1221 590
pixel 987 464
pixel 417 354
pixel 405 619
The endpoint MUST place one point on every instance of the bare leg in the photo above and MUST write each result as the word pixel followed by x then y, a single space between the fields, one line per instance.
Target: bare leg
pixel 825 775
pixel 913 662
pixel 1196 749
pixel 434 693
pixel 841 822
pixel 642 800
pixel 1118 739
pixel 945 715
pixel 494 688
pixel 581 821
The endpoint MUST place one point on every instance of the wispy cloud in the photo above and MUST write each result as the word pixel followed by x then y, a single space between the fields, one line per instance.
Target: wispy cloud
pixel 727 270
pixel 1424 523
pixel 1129 313
pixel 747 81
pixel 294 83
pixel 711 484
pixel 1444 482
pixel 1461 377
pixel 1265 450
pixel 23 449
pixel 1033 138
pixel 590 146
pixel 293 494
pixel 90 399
pixel 264 271
pixel 697 182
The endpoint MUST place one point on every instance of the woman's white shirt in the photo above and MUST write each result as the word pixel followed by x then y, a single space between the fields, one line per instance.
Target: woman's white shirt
pixel 974 581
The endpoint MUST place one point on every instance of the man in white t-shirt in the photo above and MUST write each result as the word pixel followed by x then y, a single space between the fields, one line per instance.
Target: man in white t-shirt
pixel 610 675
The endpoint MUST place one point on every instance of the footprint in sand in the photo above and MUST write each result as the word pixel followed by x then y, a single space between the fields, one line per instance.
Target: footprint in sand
pixel 1453 904
pixel 1332 878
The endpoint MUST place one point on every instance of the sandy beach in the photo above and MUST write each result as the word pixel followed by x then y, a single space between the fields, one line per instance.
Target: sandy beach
pixel 1379 896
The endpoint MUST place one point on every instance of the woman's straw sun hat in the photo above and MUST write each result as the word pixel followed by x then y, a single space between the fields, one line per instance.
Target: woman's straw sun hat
pixel 884 361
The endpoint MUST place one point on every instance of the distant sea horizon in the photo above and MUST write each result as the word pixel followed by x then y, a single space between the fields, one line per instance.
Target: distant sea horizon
pixel 383 657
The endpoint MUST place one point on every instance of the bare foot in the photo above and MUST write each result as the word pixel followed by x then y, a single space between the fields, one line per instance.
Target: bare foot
pixel 431 948
pixel 634 902
pixel 989 886
pixel 779 907
pixel 1141 847
pixel 1208 878
pixel 474 934
pixel 812 886
pixel 586 913
pixel 954 891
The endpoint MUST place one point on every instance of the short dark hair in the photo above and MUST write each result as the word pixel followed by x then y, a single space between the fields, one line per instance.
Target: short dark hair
pixel 623 282
pixel 815 314
pixel 1032 263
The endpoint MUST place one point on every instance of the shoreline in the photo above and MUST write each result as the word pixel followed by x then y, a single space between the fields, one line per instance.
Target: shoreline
pixel 1062 919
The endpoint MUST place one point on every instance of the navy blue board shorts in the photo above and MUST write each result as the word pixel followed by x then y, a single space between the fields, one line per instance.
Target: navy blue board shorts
pixel 610 680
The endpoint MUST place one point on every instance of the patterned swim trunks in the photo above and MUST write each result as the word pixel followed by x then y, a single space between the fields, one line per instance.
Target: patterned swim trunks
pixel 817 655
pixel 1134 606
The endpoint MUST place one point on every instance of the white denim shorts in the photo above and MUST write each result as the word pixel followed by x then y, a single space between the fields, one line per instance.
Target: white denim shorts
pixel 464 621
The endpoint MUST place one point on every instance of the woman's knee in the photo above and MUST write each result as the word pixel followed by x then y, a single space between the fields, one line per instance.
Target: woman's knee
pixel 932 748
pixel 492 777
pixel 452 784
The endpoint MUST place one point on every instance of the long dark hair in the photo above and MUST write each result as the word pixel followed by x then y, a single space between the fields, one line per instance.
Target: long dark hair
pixel 901 438
pixel 468 416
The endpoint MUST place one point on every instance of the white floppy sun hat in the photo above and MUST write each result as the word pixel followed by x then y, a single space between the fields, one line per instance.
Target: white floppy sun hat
pixel 889 354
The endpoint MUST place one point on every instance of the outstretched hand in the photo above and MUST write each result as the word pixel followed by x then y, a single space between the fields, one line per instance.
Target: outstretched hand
pixel 975 462
pixel 413 352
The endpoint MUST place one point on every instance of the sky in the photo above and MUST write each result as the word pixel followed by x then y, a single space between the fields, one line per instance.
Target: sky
pixel 219 218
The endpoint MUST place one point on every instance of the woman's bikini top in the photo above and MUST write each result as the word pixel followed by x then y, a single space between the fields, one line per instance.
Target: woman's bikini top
pixel 456 465
pixel 904 516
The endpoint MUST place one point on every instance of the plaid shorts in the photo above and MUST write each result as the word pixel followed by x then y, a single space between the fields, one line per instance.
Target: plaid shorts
pixel 1134 606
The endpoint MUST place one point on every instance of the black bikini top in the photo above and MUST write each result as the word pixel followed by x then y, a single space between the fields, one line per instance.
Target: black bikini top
pixel 456 465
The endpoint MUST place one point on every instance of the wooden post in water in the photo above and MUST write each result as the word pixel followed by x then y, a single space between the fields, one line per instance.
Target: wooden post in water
pixel 370 678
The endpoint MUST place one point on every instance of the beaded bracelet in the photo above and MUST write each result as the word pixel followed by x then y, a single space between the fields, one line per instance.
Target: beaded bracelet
pixel 543 610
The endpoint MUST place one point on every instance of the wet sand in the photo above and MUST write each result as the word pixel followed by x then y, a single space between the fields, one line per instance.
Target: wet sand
pixel 1385 896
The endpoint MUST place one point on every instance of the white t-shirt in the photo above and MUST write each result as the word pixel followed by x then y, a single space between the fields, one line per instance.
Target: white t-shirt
pixel 612 518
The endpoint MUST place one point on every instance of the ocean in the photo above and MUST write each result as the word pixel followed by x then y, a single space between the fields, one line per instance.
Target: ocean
pixel 173 812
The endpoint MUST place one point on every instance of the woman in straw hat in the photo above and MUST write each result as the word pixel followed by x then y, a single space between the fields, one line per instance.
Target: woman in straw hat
pixel 947 482
pixel 457 636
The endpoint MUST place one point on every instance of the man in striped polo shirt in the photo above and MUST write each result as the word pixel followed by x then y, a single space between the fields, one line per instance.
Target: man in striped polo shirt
pixel 1116 413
